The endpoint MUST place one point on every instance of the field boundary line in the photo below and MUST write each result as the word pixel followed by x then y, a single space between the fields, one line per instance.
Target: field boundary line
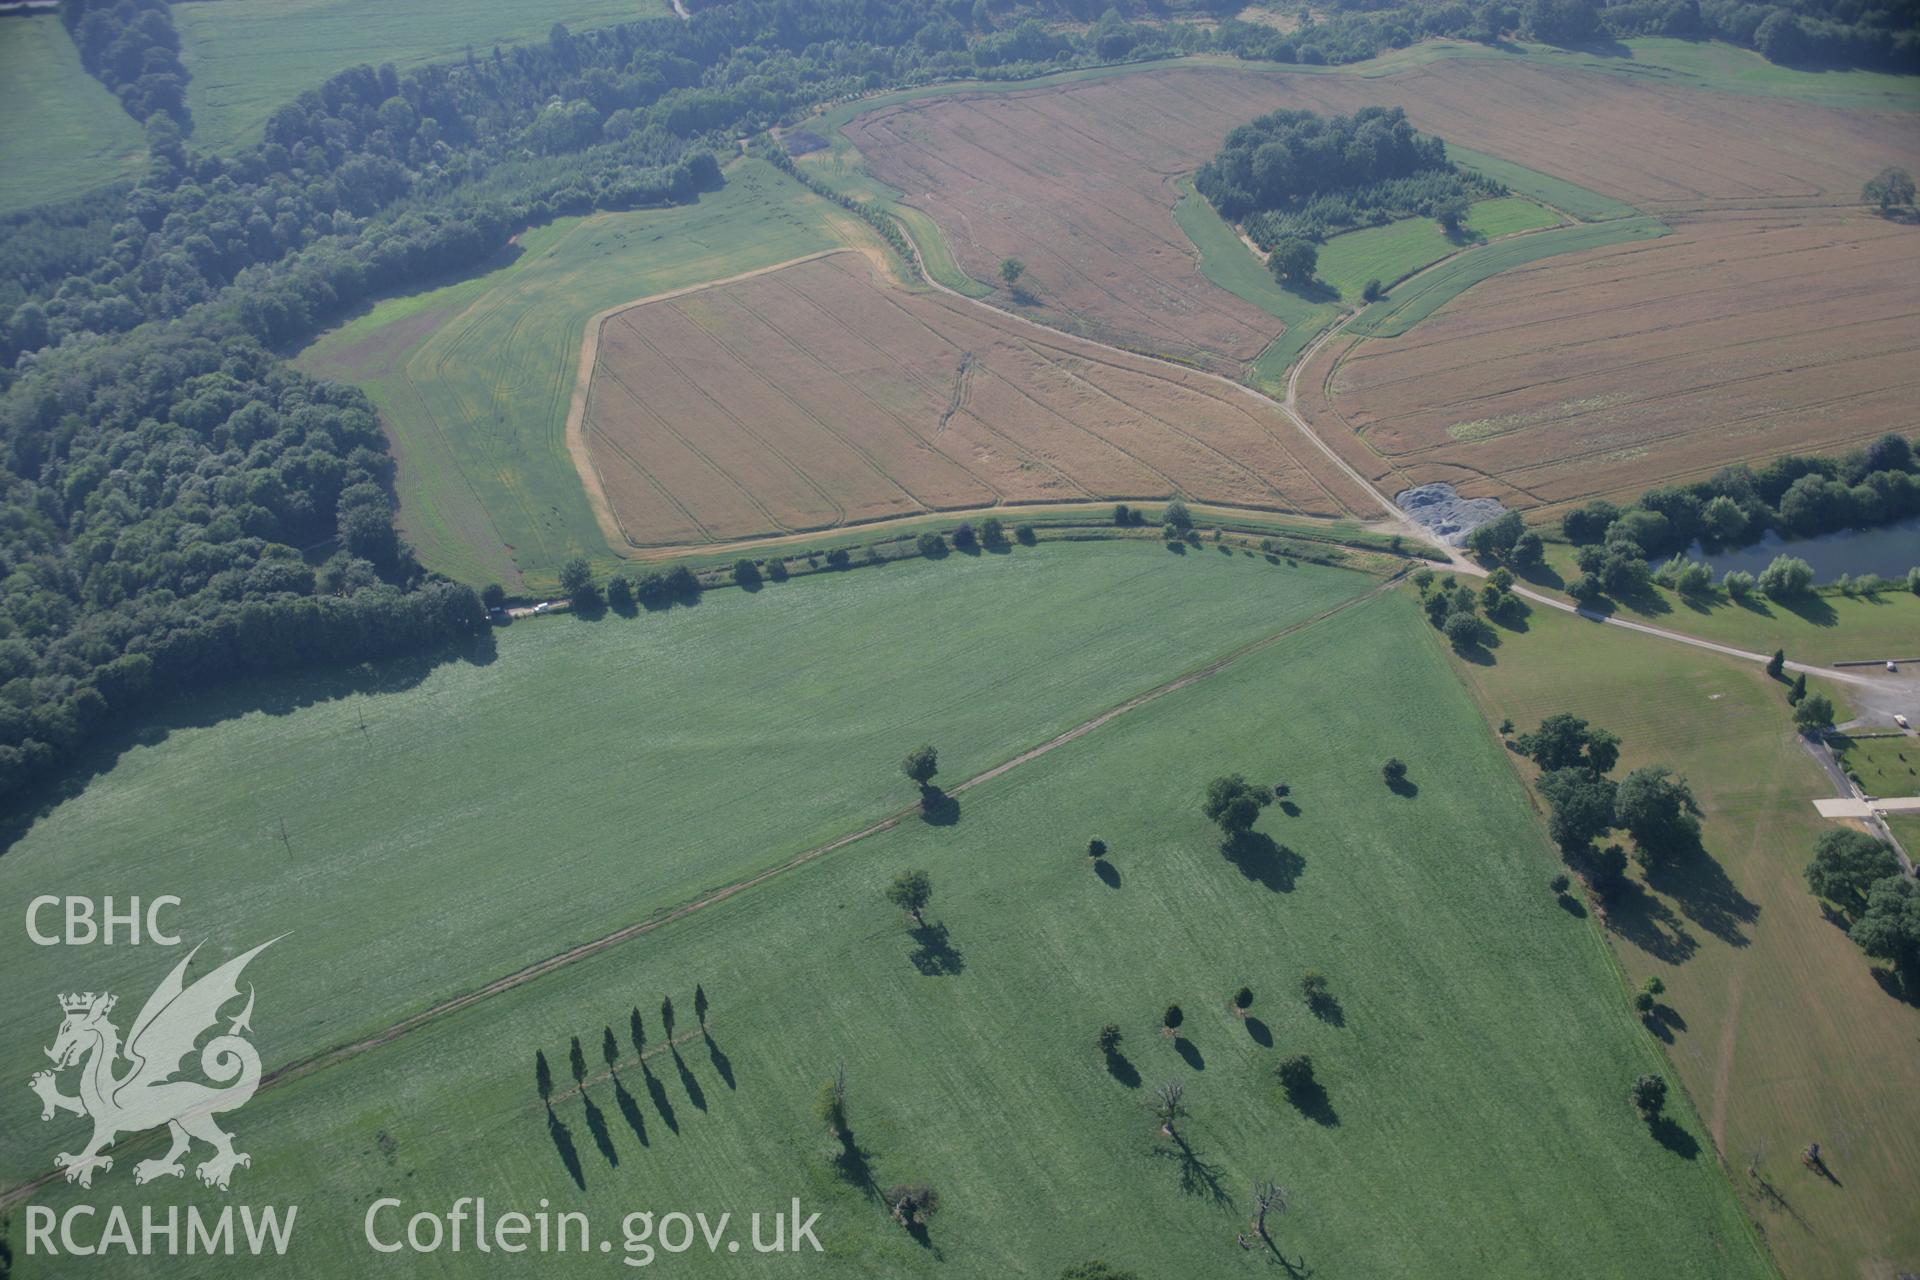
pixel 325 1058
pixel 575 435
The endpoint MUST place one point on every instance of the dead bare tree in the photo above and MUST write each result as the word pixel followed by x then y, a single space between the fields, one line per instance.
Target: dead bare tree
pixel 1268 1197
pixel 1169 1106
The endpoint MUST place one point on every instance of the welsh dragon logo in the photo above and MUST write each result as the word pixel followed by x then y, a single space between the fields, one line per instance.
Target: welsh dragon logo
pixel 145 1094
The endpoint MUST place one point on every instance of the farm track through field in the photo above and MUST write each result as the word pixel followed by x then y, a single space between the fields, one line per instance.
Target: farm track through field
pixel 344 1053
pixel 1457 562
pixel 575 436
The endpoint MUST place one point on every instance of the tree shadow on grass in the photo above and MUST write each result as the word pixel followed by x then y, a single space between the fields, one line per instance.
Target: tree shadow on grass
pixel 1312 1102
pixel 597 1126
pixel 1123 1070
pixel 630 1112
pixel 1572 906
pixel 1698 883
pixel 1543 575
pixel 277 695
pixel 1108 873
pixel 721 1062
pixel 1889 982
pixel 1674 1138
pixel 1259 859
pixel 695 1094
pixel 1199 1177
pixel 1328 1009
pixel 1289 808
pixel 1810 608
pixel 935 955
pixel 937 808
pixel 1189 1053
pixel 1261 1034
pixel 1407 788
pixel 563 1143
pixel 854 1164
pixel 1649 924
pixel 658 1092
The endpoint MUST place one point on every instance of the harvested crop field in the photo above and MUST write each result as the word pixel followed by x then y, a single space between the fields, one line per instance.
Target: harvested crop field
pixel 817 395
pixel 1074 179
pixel 1734 339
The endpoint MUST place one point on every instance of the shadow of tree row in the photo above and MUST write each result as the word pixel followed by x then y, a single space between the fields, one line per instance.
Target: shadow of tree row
pixel 617 1067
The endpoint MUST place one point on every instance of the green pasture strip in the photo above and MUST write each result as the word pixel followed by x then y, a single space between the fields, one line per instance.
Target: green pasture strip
pixel 445 825
pixel 66 133
pixel 247 58
pixel 1418 298
pixel 1474 1015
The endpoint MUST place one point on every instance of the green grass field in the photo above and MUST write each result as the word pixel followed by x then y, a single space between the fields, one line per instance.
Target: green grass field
pixel 67 134
pixel 1474 1121
pixel 1227 262
pixel 1885 766
pixel 1780 1031
pixel 1587 206
pixel 594 773
pixel 1399 249
pixel 1821 629
pixel 248 57
pixel 473 380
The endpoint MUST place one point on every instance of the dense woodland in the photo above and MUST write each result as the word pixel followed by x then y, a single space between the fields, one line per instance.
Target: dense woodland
pixel 131 47
pixel 1795 495
pixel 1294 173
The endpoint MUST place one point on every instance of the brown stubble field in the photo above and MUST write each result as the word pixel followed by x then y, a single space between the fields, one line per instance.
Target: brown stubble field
pixel 1740 337
pixel 1074 179
pixel 822 395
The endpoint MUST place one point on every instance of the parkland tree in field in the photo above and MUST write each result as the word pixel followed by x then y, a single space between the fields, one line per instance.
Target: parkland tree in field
pixel 577 1062
pixel 920 766
pixel 1294 260
pixel 666 1017
pixel 1889 928
pixel 1011 269
pixel 831 1106
pixel 542 1075
pixel 1108 1041
pixel 1169 1107
pixel 911 891
pixel 700 1005
pixel 1234 803
pixel 1814 715
pixel 1846 864
pixel 1649 1096
pixel 1657 808
pixel 1268 1197
pixel 1891 189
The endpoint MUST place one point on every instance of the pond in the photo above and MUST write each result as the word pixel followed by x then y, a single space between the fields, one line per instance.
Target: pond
pixel 1888 550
